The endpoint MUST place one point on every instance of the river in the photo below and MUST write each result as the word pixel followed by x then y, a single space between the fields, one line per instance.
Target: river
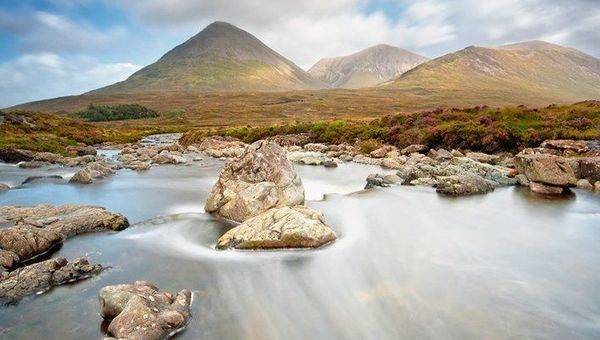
pixel 408 263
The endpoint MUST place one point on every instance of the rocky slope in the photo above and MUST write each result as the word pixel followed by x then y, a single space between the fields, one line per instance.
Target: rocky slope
pixel 369 67
pixel 525 70
pixel 221 57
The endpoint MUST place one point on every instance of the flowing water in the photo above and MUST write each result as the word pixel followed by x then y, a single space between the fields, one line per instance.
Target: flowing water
pixel 408 263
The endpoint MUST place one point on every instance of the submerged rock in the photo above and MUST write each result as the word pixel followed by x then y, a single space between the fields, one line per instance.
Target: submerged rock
pixel 463 185
pixel 39 277
pixel 546 189
pixel 32 231
pixel 260 179
pixel 4 187
pixel 286 227
pixel 141 311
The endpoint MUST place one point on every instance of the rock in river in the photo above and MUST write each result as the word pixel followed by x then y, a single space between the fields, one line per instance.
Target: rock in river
pixel 42 276
pixel 31 231
pixel 463 185
pixel 140 311
pixel 545 168
pixel 287 227
pixel 260 179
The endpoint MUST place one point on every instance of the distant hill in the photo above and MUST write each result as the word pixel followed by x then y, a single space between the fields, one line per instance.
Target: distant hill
pixel 529 71
pixel 221 57
pixel 369 67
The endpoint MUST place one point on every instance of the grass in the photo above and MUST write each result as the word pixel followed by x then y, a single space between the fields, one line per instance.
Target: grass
pixel 478 128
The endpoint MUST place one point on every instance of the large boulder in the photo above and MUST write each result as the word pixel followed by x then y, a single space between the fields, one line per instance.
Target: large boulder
pixel 260 179
pixel 546 168
pixel 141 311
pixel 11 155
pixel 589 168
pixel 286 227
pixel 39 277
pixel 463 185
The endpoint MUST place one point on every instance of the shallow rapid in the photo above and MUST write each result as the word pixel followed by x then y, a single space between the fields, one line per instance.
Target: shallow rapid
pixel 408 262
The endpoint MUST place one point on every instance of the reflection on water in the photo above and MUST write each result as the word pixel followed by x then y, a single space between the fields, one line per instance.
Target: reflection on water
pixel 408 263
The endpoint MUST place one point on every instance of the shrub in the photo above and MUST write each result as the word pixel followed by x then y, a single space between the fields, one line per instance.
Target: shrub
pixel 102 113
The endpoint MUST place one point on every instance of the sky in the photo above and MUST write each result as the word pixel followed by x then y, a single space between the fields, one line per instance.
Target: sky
pixel 51 48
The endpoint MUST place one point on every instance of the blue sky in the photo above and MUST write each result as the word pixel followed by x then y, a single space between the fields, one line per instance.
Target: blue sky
pixel 51 48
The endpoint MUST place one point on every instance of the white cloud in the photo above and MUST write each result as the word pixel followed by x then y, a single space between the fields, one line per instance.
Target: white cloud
pixel 47 75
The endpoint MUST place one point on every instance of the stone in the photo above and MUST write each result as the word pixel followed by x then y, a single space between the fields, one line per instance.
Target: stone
pixel 589 168
pixel 392 163
pixel 545 189
pixel 285 227
pixel 597 187
pixel 168 157
pixel 462 185
pixel 585 185
pixel 291 139
pixel 443 154
pixel 345 158
pixel 457 153
pixel 141 311
pixel 40 277
pixel 137 166
pixel 522 180
pixel 12 155
pixel 545 168
pixel 375 180
pixel 483 157
pixel 32 231
pixel 418 148
pixel 391 179
pixel 307 157
pixel 382 151
pixel 217 146
pixel 260 179
pixel 91 172
pixel 577 146
pixel 330 163
pixel 316 147
pixel 4 187
pixel 367 160
pixel 48 157
pixel 82 150
pixel 32 164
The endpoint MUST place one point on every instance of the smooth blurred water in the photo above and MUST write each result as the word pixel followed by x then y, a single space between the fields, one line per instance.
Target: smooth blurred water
pixel 408 263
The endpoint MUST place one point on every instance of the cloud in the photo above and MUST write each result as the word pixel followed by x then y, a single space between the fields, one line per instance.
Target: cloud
pixel 47 75
pixel 304 31
pixel 44 31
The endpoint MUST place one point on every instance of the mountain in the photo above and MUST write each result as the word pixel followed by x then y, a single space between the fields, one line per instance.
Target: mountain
pixel 528 71
pixel 366 68
pixel 221 57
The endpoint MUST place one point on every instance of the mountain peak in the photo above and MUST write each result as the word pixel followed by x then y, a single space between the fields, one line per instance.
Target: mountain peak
pixel 368 67
pixel 221 57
